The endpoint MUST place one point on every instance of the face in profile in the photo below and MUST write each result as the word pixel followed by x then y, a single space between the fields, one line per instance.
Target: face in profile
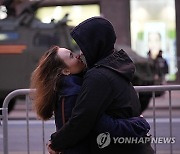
pixel 73 61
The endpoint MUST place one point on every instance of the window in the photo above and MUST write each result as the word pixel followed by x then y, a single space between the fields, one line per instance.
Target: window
pixel 77 13
pixel 153 28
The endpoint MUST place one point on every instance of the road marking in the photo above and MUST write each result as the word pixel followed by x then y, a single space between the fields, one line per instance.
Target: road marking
pixel 37 122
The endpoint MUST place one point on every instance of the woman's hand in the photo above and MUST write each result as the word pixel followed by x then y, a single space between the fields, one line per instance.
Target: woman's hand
pixel 50 150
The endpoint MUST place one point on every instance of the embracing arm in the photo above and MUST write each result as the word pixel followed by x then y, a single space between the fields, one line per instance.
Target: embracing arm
pixel 92 101
pixel 118 127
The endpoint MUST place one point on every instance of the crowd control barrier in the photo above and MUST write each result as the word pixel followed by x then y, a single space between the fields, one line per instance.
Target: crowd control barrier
pixel 26 92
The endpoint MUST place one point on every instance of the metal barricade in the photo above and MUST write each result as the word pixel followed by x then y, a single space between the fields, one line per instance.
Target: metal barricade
pixel 154 89
pixel 5 118
pixel 26 92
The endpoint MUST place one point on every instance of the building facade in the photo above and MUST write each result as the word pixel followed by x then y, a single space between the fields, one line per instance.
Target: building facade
pixel 135 20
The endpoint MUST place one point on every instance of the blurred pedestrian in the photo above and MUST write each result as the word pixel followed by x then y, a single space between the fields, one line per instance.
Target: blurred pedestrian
pixel 149 55
pixel 161 67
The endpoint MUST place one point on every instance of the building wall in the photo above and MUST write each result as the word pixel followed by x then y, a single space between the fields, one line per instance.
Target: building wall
pixel 177 5
pixel 118 12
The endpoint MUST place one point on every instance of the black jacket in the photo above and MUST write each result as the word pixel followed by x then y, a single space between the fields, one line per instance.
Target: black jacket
pixel 69 89
pixel 106 87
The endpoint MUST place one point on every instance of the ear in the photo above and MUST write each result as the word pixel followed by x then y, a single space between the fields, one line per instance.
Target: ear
pixel 66 71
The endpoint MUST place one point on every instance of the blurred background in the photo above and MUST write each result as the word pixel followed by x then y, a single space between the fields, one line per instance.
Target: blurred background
pixel 148 30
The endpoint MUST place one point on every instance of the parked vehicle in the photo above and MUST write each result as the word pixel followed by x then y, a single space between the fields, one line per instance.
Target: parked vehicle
pixel 24 39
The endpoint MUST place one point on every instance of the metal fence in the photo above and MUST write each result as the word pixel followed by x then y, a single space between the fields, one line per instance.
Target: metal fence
pixel 155 89
pixel 26 92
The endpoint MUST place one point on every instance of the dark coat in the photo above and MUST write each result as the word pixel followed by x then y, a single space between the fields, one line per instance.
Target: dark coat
pixel 106 88
pixel 69 89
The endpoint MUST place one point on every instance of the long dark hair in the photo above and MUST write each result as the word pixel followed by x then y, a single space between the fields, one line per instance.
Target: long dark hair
pixel 45 79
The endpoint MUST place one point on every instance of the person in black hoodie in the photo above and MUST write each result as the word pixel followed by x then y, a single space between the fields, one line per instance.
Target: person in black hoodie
pixel 106 89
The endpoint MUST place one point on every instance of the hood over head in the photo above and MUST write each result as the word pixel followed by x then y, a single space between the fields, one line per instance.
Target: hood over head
pixel 96 38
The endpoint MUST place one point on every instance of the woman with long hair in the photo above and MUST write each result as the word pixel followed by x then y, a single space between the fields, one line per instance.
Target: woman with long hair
pixel 57 80
pixel 46 78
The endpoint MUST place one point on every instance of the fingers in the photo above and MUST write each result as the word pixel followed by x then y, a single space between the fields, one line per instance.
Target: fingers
pixel 49 148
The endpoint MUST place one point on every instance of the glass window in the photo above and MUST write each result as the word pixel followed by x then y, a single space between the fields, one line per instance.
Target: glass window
pixel 77 13
pixel 153 28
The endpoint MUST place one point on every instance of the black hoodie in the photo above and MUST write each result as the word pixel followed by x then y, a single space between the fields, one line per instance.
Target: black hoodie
pixel 106 87
pixel 96 38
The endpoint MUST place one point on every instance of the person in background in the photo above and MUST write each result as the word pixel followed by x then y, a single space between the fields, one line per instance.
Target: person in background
pixel 149 55
pixel 150 60
pixel 161 67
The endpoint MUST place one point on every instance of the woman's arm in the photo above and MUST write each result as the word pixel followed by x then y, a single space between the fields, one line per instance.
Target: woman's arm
pixel 132 127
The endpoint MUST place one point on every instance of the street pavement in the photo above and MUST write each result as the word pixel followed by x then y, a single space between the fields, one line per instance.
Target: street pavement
pixel 18 138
